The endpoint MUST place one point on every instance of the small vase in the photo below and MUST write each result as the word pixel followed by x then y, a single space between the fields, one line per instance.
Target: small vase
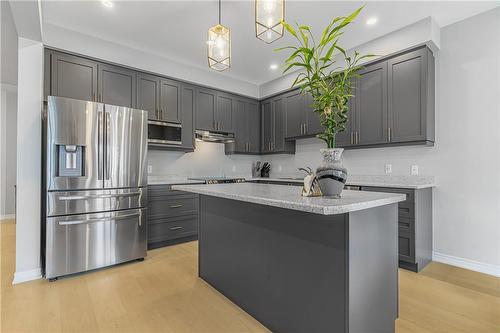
pixel 331 174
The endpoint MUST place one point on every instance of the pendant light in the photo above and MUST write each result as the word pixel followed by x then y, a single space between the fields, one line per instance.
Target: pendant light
pixel 268 17
pixel 219 46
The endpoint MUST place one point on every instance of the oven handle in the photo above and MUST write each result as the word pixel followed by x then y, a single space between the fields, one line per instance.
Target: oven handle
pixel 164 142
pixel 104 196
pixel 165 124
pixel 104 219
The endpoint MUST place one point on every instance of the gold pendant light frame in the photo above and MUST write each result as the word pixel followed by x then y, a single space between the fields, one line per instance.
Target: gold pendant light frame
pixel 273 29
pixel 219 46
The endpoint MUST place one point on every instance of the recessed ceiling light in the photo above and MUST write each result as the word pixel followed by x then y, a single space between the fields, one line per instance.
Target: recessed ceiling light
pixel 273 67
pixel 371 21
pixel 107 3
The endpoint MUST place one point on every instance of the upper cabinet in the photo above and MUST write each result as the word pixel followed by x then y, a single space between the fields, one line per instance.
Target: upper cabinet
pixel 188 100
pixel 411 97
pixel 224 113
pixel 148 94
pixel 73 77
pixel 313 123
pixel 301 120
pixel 273 127
pixel 170 101
pixel 246 127
pixel 206 100
pixel 116 85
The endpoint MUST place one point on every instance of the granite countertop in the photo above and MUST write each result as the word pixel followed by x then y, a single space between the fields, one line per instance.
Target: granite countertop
pixel 289 197
pixel 411 182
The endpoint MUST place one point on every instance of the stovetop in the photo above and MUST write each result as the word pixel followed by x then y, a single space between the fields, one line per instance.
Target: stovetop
pixel 219 180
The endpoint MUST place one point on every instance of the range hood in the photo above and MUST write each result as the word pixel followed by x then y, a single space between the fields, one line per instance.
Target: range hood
pixel 218 137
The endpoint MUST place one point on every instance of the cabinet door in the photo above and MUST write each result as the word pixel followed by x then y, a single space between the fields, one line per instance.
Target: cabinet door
pixel 148 94
pixel 278 144
pixel 116 86
pixel 188 106
pixel 313 122
pixel 407 96
pixel 267 126
pixel 73 77
pixel 294 104
pixel 371 105
pixel 346 138
pixel 205 109
pixel 240 126
pixel 224 118
pixel 170 106
pixel 253 121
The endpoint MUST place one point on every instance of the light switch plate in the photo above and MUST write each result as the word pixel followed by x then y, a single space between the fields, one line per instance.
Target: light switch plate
pixel 414 170
pixel 388 168
pixel 150 169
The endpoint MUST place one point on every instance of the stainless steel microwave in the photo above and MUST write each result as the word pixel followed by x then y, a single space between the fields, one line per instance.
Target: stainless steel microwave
pixel 164 133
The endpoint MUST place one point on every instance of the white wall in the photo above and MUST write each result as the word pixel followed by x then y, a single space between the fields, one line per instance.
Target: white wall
pixel 466 157
pixel 73 41
pixel 8 111
pixel 30 87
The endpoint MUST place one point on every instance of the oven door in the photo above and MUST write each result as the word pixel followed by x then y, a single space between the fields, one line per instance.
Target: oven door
pixel 78 243
pixel 164 133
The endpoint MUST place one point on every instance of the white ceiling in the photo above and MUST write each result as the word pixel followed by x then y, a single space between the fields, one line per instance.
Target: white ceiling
pixel 178 29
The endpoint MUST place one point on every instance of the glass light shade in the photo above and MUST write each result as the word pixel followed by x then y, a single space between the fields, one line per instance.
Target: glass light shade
pixel 268 17
pixel 219 47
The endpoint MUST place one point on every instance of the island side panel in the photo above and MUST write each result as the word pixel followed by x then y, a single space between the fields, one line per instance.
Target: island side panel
pixel 373 269
pixel 284 267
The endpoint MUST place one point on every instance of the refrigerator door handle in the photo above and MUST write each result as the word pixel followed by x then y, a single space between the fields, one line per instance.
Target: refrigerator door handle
pixel 116 195
pixel 107 124
pixel 100 145
pixel 104 219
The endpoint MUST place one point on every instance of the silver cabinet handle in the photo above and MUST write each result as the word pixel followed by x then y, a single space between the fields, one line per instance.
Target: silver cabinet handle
pixel 104 219
pixel 389 134
pixel 305 128
pixel 176 206
pixel 176 228
pixel 352 138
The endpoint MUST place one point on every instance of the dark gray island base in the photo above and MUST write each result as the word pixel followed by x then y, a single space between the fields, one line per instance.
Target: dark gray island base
pixel 297 271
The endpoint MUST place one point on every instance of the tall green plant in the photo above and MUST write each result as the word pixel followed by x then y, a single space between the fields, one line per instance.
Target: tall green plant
pixel 330 85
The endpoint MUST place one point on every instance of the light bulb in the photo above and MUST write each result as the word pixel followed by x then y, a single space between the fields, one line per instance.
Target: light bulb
pixel 269 34
pixel 220 42
pixel 270 21
pixel 269 5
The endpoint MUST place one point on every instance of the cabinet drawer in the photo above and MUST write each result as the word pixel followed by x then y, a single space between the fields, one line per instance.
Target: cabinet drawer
pixel 156 190
pixel 161 230
pixel 410 193
pixel 406 210
pixel 406 224
pixel 406 243
pixel 172 205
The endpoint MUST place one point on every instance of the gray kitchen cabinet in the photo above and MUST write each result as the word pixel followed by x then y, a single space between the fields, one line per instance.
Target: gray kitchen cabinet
pixel 170 101
pixel 224 113
pixel 246 127
pixel 188 99
pixel 253 120
pixel 116 85
pixel 172 216
pixel 371 105
pixel 411 96
pixel 313 122
pixel 273 127
pixel 148 94
pixel 267 126
pixel 205 109
pixel 295 116
pixel 346 138
pixel 73 77
pixel 414 226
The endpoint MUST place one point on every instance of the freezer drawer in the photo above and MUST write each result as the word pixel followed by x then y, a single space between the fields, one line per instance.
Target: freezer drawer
pixel 83 242
pixel 85 202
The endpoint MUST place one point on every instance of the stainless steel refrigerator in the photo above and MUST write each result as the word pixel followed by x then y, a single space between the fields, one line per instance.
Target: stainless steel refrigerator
pixel 95 186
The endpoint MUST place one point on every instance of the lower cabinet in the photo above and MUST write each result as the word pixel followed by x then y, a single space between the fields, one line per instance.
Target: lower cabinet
pixel 414 226
pixel 172 216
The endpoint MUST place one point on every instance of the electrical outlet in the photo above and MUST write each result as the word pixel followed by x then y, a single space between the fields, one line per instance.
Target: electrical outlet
pixel 414 170
pixel 280 168
pixel 233 169
pixel 388 168
pixel 150 169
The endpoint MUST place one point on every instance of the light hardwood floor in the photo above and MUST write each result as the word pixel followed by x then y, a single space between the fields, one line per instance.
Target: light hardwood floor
pixel 164 294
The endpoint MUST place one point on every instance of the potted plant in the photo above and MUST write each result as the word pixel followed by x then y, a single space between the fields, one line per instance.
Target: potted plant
pixel 331 87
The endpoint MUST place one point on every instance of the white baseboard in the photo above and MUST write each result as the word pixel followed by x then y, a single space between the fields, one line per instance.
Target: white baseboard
pixel 7 217
pixel 467 264
pixel 25 276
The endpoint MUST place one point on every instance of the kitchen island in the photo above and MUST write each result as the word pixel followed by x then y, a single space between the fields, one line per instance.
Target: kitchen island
pixel 301 264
